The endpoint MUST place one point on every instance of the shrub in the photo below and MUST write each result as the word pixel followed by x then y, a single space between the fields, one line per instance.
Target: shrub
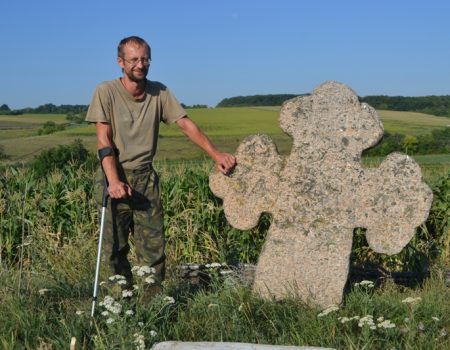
pixel 3 155
pixel 50 128
pixel 62 156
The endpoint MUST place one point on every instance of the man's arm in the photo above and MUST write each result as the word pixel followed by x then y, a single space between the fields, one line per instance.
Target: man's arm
pixel 224 162
pixel 116 188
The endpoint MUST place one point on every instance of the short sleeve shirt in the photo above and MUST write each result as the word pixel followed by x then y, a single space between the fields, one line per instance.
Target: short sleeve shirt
pixel 135 124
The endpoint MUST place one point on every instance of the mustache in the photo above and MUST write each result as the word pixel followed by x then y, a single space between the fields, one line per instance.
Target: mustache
pixel 143 69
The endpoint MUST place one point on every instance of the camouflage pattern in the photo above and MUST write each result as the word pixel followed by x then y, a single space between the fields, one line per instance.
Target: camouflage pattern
pixel 141 216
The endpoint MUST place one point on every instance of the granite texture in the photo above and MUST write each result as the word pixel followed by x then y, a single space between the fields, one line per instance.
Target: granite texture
pixel 320 193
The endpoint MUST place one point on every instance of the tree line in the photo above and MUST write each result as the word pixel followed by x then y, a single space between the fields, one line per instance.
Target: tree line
pixel 255 100
pixel 435 105
pixel 48 108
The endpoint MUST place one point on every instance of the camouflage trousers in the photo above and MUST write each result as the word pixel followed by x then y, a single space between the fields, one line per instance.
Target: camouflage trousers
pixel 141 216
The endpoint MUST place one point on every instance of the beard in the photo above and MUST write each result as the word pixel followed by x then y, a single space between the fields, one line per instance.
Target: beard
pixel 137 75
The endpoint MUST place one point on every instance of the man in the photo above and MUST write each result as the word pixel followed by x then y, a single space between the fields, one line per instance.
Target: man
pixel 127 112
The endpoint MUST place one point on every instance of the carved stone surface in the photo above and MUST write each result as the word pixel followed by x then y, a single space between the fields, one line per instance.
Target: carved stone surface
pixel 320 193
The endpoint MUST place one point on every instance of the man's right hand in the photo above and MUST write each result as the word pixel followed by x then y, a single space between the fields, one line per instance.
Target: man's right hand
pixel 119 190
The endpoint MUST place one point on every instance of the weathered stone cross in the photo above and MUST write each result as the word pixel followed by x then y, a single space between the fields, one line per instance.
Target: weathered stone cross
pixel 320 193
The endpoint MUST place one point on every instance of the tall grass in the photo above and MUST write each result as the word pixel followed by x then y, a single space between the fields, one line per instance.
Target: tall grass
pixel 59 223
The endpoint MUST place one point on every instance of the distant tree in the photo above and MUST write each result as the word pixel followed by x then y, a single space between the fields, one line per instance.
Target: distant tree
pixel 47 108
pixel 4 108
pixel 409 144
pixel 76 118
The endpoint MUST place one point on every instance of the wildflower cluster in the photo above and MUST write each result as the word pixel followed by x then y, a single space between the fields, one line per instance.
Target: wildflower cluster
pixel 112 308
pixel 412 301
pixel 328 310
pixel 365 283
pixel 145 272
pixel 368 321
pixel 139 341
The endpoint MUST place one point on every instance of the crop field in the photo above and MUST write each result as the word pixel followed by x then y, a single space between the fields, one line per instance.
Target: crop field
pixel 412 123
pixel 226 127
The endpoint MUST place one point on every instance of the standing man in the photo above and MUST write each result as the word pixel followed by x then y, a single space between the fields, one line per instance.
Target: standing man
pixel 127 112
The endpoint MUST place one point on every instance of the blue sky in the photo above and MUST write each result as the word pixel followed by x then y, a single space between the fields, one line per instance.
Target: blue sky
pixel 57 51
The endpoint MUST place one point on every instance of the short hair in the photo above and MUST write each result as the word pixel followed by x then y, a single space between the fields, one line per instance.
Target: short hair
pixel 134 40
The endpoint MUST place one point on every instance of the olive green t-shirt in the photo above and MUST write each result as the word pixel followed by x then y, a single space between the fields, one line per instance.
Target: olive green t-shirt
pixel 135 124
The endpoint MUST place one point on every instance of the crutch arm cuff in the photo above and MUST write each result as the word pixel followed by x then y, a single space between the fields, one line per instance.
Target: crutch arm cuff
pixel 105 152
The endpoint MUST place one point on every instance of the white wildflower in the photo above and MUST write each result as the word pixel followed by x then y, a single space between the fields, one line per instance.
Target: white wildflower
pixel 435 318
pixel 386 324
pixel 443 332
pixel 212 305
pixel 368 284
pixel 114 308
pixel 109 320
pixel 212 265
pixel 135 287
pixel 421 326
pixel 366 321
pixel 129 312
pixel 122 282
pixel 149 280
pixel 79 312
pixel 43 291
pixel 107 300
pixel 116 278
pixel 411 300
pixel 105 313
pixel 153 333
pixel 328 310
pixel 139 341
pixel 145 270
pixel 141 324
pixel 406 320
pixel 380 319
pixel 241 307
pixel 344 319
pixel 169 300
pixel 127 293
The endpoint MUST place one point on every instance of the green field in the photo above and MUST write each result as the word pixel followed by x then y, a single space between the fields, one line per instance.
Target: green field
pixel 226 127
pixel 411 123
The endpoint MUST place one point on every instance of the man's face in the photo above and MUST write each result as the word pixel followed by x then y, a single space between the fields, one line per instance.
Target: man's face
pixel 135 62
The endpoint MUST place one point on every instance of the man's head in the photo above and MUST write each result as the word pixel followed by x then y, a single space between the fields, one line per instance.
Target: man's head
pixel 134 56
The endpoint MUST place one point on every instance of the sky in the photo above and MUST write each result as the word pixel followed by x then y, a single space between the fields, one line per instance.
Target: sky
pixel 57 51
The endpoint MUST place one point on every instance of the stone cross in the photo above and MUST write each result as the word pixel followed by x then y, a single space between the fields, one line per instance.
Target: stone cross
pixel 320 193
